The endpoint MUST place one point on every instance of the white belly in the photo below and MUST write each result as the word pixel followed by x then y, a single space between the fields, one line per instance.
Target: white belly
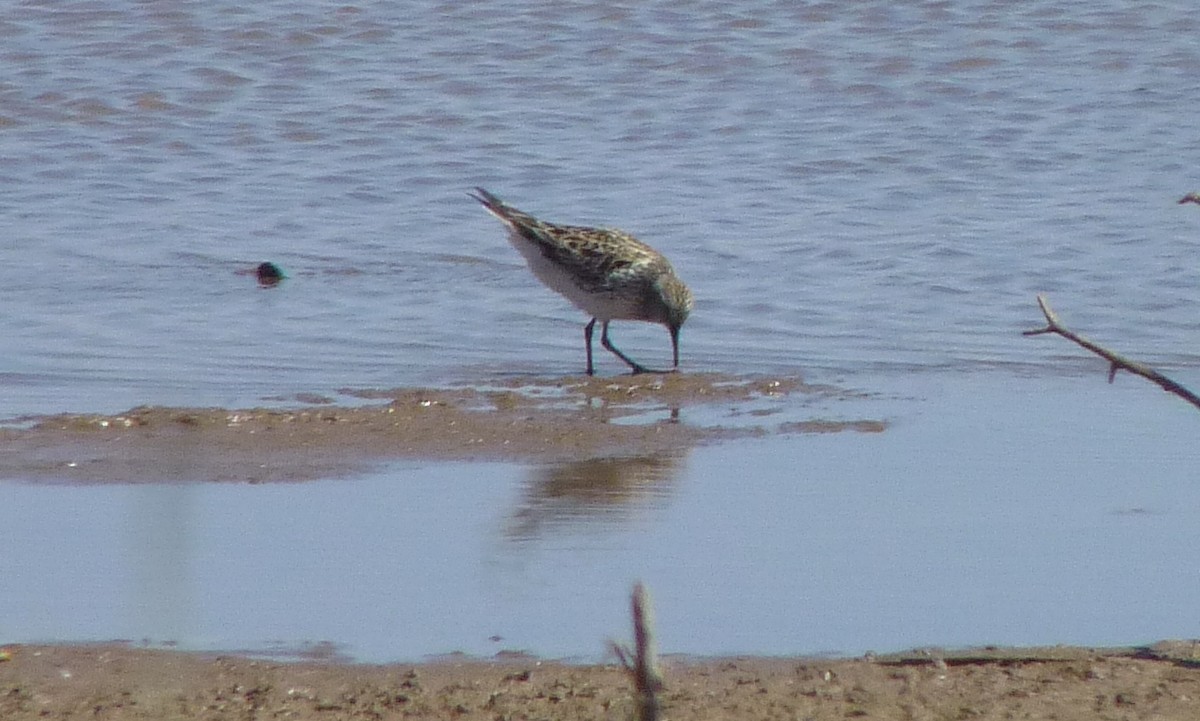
pixel 601 304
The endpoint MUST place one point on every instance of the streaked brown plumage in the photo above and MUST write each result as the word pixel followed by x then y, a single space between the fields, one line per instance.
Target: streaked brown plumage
pixel 607 273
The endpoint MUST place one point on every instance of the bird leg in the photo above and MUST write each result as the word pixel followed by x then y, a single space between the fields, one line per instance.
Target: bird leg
pixel 674 347
pixel 604 341
pixel 587 337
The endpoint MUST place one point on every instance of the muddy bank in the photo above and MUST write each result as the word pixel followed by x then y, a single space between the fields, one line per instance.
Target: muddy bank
pixel 526 419
pixel 117 682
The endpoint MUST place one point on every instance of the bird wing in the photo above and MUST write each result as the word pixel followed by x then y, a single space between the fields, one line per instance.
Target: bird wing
pixel 580 248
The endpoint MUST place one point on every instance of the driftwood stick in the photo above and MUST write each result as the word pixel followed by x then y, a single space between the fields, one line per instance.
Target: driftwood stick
pixel 642 662
pixel 1116 362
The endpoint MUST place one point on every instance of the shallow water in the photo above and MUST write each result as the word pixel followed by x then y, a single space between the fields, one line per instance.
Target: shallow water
pixel 869 196
pixel 1019 513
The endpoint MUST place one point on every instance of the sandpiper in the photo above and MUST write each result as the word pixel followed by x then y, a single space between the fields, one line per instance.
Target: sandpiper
pixel 606 273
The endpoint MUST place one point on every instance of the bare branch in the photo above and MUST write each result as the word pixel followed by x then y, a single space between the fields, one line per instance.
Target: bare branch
pixel 1116 362
pixel 642 663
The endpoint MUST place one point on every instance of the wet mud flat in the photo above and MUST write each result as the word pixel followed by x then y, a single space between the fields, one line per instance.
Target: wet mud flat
pixel 115 681
pixel 522 420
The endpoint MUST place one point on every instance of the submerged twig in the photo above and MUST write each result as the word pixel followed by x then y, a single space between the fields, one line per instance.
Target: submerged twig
pixel 1116 362
pixel 642 663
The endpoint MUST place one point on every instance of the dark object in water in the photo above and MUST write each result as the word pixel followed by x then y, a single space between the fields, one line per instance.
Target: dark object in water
pixel 1192 197
pixel 268 274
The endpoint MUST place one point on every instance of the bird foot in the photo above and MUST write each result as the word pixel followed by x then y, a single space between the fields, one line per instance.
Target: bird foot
pixel 640 370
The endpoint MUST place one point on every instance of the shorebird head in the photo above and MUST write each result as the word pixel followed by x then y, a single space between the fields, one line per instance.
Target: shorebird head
pixel 677 303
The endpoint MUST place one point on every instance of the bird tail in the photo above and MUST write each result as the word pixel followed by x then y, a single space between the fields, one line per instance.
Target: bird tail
pixel 506 213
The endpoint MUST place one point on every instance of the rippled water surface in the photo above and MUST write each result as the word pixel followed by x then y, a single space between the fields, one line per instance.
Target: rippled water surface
pixel 845 188
pixel 869 195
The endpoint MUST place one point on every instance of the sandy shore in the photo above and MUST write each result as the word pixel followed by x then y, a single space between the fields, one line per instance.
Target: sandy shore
pixel 545 420
pixel 118 682
pixel 528 420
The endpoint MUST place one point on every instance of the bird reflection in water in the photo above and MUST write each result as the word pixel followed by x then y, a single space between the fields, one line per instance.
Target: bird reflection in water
pixel 590 493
